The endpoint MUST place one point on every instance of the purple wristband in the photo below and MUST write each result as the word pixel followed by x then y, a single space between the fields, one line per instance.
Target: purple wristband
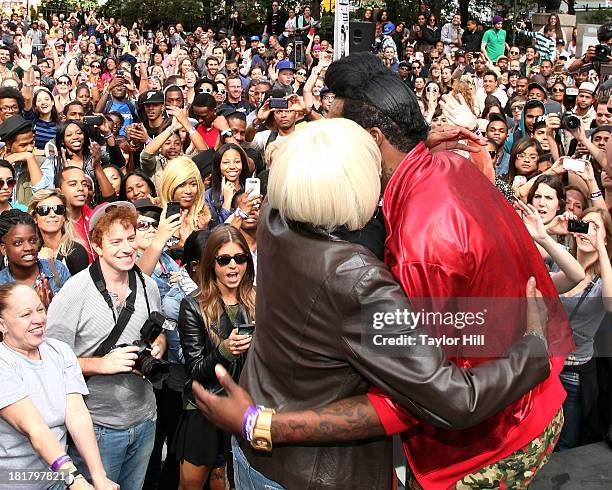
pixel 248 422
pixel 59 462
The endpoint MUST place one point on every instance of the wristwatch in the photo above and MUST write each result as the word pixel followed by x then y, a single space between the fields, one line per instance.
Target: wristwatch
pixel 71 478
pixel 228 133
pixel 262 435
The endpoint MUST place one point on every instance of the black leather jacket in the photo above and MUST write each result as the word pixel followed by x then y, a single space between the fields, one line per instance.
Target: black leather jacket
pixel 201 351
pixel 312 292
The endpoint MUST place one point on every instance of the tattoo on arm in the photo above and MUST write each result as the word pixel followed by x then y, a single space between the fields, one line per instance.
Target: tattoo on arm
pixel 345 420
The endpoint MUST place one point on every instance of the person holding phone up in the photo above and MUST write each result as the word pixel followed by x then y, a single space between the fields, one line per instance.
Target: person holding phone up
pixel 209 320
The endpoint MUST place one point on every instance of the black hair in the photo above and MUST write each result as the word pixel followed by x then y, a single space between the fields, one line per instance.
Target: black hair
pixel 236 115
pixel 490 101
pixel 202 81
pixel 204 100
pixel 54 114
pixel 13 93
pixel 497 118
pixel 14 217
pixel 532 104
pixel 59 176
pixel 70 104
pixel 375 97
pixel 548 28
pixel 491 73
pixel 7 165
pixel 245 173
pixel 61 132
pixel 171 80
pixel 194 246
pixel 117 114
pixel 139 173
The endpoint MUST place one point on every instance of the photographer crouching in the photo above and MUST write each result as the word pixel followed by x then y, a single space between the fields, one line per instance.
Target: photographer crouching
pixel 109 316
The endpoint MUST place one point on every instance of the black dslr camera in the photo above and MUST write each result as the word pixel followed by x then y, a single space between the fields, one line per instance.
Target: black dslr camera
pixel 603 50
pixel 570 121
pixel 155 370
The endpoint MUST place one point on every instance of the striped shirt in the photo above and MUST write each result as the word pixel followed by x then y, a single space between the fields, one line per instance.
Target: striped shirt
pixel 544 46
pixel 43 131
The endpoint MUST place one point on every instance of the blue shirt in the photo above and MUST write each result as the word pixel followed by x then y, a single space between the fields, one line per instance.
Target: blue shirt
pixel 124 109
pixel 43 267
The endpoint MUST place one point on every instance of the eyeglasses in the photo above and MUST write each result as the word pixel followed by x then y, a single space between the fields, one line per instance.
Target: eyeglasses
pixel 301 73
pixel 514 52
pixel 96 65
pixel 329 97
pixel 43 209
pixel 525 156
pixel 64 82
pixel 221 91
pixel 234 70
pixel 10 108
pixel 225 259
pixel 416 67
pixel 206 90
pixel 558 90
pixel 145 225
pixel 432 89
pixel 518 108
pixel 182 87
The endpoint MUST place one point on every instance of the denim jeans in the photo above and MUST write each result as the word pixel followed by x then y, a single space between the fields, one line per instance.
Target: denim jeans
pixel 246 477
pixel 572 411
pixel 125 453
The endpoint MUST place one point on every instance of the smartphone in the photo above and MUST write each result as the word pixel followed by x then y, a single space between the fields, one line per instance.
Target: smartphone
pixel 246 329
pixel 278 103
pixel 578 226
pixel 93 120
pixel 519 180
pixel 172 208
pixel 573 164
pixel 252 186
pixel 120 73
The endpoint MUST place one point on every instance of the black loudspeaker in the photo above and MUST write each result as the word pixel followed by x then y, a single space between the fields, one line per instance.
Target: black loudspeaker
pixel 361 36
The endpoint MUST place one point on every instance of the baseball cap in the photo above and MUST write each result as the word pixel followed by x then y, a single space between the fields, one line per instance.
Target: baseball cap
pixel 254 38
pixel 106 207
pixel 587 87
pixel 153 97
pixel 536 85
pixel 316 47
pixel 389 28
pixel 285 65
pixel 13 126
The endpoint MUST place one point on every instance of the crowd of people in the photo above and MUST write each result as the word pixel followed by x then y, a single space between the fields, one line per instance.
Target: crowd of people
pixel 183 211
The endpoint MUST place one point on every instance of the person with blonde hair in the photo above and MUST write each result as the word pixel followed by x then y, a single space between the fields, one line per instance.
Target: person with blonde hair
pixel 310 357
pixel 181 182
pixel 60 240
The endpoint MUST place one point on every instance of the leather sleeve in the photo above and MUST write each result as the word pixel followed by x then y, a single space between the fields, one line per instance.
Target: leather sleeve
pixel 422 380
pixel 201 355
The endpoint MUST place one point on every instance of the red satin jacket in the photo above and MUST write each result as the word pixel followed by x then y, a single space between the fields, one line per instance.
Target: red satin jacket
pixel 452 234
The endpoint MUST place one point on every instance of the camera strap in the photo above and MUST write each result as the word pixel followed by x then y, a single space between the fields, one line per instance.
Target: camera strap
pixel 126 312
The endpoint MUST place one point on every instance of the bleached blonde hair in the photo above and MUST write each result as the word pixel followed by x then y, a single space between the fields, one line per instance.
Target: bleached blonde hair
pixel 327 174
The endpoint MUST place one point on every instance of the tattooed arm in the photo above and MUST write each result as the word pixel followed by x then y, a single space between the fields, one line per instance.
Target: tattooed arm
pixel 345 420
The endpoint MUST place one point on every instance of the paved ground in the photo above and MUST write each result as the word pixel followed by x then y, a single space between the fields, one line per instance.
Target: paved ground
pixel 584 468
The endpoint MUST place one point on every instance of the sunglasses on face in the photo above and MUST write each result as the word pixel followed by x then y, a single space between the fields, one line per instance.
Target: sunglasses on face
pixel 96 66
pixel 558 90
pixel 301 73
pixel 221 91
pixel 10 183
pixel 514 52
pixel 225 259
pixel 64 82
pixel 44 210
pixel 432 89
pixel 206 90
pixel 145 225
pixel 234 70
pixel 517 108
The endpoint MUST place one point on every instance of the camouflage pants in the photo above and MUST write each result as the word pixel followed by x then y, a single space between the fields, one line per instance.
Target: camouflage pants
pixel 514 471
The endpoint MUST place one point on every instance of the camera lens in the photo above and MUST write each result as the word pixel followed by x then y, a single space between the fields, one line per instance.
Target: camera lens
pixel 570 122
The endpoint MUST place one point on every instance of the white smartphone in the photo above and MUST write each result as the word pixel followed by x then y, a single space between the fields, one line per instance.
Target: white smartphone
pixel 519 180
pixel 252 186
pixel 573 164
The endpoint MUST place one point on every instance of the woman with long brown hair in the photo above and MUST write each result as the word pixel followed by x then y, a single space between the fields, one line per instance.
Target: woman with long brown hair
pixel 208 322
